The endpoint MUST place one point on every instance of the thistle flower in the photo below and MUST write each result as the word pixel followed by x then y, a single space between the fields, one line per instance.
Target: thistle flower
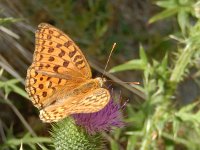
pixel 103 120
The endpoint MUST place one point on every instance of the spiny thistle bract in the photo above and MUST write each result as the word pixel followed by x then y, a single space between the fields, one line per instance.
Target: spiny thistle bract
pixel 68 136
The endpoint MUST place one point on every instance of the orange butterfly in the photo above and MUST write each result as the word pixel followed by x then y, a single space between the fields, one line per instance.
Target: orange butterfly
pixel 59 81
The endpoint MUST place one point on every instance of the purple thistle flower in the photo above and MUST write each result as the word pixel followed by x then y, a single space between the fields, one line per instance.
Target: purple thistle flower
pixel 103 120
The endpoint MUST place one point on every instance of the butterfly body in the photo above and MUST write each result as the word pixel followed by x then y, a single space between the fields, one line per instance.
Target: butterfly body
pixel 59 81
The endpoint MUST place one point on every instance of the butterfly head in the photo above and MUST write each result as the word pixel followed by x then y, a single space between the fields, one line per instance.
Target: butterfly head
pixel 101 81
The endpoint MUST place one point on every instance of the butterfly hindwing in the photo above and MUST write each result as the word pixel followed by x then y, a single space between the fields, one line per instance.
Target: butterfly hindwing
pixel 91 102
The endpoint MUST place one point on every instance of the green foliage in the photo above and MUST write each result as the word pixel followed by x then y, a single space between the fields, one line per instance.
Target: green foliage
pixel 8 20
pixel 11 86
pixel 66 135
pixel 161 79
pixel 158 122
pixel 186 56
pixel 83 18
pixel 182 8
pixel 27 141
pixel 132 64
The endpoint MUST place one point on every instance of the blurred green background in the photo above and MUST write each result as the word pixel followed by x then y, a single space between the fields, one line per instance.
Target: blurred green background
pixel 158 30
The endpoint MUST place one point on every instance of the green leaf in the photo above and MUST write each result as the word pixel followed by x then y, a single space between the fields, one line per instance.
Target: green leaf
pixel 28 140
pixel 10 86
pixel 12 81
pixel 183 20
pixel 114 144
pixel 19 91
pixel 189 107
pixel 164 14
pixel 176 127
pixel 143 55
pixel 131 142
pixel 164 62
pixel 7 91
pixel 136 64
pixel 186 114
pixel 130 65
pixel 162 68
pixel 8 20
pixel 2 84
pixel 166 4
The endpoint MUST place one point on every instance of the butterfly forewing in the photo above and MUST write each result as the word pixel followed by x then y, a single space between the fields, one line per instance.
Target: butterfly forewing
pixel 57 61
pixel 56 52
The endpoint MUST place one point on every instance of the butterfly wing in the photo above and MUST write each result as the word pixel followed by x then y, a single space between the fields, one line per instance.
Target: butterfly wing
pixel 92 101
pixel 57 62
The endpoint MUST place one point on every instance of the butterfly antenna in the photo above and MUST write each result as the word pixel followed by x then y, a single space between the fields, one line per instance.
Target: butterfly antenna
pixel 129 82
pixel 113 47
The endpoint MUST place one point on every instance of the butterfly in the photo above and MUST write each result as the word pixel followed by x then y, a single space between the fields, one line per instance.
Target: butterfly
pixel 59 81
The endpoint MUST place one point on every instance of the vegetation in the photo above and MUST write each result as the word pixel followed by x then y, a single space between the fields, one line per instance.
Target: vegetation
pixel 162 52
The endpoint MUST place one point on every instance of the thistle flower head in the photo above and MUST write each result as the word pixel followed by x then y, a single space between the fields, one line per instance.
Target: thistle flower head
pixel 103 120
